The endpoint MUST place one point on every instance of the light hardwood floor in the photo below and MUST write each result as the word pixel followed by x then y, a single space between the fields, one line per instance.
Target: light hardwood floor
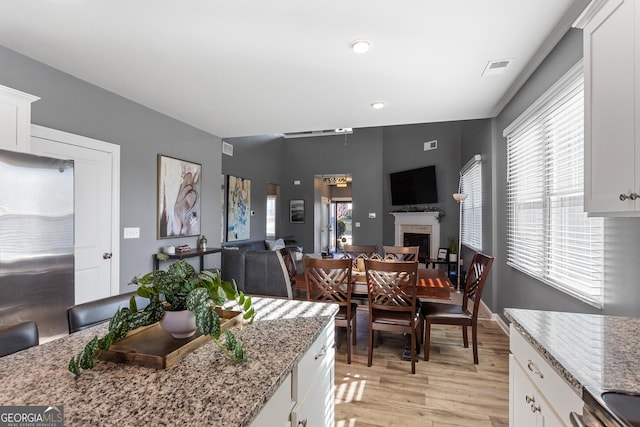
pixel 448 390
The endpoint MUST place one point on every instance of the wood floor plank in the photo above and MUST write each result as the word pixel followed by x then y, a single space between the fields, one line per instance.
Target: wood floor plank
pixel 447 391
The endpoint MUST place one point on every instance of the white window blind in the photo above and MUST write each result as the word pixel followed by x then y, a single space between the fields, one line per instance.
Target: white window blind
pixel 548 235
pixel 471 185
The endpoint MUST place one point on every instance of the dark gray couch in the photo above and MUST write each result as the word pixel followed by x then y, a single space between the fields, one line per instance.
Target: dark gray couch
pixel 256 269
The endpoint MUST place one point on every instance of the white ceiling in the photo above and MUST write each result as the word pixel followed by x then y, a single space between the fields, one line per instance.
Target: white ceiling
pixel 239 67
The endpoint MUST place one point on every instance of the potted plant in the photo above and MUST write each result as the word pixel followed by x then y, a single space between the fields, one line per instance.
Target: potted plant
pixel 453 250
pixel 175 290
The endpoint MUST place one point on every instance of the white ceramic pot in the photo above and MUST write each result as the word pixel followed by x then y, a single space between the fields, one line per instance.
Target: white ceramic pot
pixel 453 257
pixel 180 324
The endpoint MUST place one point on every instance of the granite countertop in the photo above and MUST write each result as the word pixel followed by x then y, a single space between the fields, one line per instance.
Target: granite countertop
pixel 586 349
pixel 205 388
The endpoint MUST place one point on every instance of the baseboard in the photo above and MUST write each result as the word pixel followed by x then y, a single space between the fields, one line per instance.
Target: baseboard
pixel 496 318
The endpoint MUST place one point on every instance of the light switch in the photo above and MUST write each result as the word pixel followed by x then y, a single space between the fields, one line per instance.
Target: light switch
pixel 296 182
pixel 357 224
pixel 131 232
pixel 372 215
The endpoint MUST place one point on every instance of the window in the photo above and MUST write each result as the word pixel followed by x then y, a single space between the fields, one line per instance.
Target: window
pixel 271 215
pixel 548 235
pixel 471 185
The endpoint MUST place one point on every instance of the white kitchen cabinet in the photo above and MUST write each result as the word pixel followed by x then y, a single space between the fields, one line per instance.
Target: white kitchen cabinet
pixel 277 411
pixel 612 110
pixel 15 119
pixel 306 397
pixel 314 378
pixel 528 406
pixel 538 395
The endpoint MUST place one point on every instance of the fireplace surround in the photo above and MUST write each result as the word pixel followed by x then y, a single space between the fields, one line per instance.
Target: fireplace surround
pixel 418 223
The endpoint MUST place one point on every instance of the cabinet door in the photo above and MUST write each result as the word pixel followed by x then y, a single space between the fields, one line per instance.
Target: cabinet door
pixel 610 147
pixel 316 409
pixel 15 119
pixel 276 412
pixel 521 396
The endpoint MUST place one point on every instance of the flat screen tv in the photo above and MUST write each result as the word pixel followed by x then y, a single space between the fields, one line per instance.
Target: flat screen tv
pixel 414 187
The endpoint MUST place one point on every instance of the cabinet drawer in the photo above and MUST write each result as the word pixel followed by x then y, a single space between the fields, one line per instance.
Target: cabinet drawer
pixel 317 360
pixel 555 389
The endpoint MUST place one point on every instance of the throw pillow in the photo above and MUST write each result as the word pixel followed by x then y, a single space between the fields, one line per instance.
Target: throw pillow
pixel 274 245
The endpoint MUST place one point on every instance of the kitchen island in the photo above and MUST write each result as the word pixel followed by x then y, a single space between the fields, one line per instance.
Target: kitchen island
pixel 555 355
pixel 205 388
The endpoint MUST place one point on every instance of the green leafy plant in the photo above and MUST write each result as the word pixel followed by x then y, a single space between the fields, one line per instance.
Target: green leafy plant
pixel 453 246
pixel 177 288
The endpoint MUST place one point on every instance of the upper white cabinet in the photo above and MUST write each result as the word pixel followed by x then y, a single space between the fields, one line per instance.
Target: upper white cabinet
pixel 612 109
pixel 15 119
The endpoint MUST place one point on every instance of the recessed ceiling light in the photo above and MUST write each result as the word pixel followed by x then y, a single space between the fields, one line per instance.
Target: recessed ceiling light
pixel 360 46
pixel 377 105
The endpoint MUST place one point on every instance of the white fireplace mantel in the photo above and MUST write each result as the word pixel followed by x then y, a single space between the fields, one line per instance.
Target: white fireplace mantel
pixel 418 222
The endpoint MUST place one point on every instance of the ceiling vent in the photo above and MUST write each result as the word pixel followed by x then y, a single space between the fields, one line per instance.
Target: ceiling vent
pixel 328 132
pixel 494 68
pixel 227 148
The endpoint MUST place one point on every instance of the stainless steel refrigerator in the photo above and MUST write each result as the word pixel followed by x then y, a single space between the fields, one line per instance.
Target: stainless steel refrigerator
pixel 36 241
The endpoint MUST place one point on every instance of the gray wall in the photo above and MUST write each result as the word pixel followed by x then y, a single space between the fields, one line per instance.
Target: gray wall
pixel 259 159
pixel 369 155
pixel 622 235
pixel 75 106
pixel 361 157
pixel 404 149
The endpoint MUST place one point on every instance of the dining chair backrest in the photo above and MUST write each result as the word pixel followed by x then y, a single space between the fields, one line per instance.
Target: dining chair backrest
pixel 328 280
pixel 85 315
pixel 18 337
pixel 289 263
pixel 476 278
pixel 392 285
pixel 401 253
pixel 353 251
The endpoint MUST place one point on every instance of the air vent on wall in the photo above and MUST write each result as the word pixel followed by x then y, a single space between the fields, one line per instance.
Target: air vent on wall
pixel 227 148
pixel 496 67
pixel 327 132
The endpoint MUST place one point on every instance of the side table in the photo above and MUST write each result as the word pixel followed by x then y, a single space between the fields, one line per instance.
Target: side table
pixel 188 254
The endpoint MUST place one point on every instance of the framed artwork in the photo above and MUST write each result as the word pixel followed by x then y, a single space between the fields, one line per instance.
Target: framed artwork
pixel 296 211
pixel 443 253
pixel 238 208
pixel 179 190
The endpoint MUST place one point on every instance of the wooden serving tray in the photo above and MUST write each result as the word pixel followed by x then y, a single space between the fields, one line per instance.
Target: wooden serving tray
pixel 153 347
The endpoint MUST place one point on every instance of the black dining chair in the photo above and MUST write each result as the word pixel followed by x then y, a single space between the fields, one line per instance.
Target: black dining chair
pixel 85 315
pixel 19 336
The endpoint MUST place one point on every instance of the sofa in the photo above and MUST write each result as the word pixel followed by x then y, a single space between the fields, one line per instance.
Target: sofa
pixel 257 267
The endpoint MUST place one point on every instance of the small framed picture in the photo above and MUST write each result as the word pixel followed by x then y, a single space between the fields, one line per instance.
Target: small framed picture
pixel 296 211
pixel 443 253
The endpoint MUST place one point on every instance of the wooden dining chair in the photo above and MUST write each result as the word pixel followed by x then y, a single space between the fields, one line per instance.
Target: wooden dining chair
pixel 401 253
pixel 296 278
pixel 392 301
pixel 329 280
pixel 361 252
pixel 19 336
pixel 454 314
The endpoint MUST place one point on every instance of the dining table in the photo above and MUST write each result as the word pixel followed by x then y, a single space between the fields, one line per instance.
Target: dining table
pixel 432 283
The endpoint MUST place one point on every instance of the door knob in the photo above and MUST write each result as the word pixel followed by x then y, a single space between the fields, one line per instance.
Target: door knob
pixel 106 255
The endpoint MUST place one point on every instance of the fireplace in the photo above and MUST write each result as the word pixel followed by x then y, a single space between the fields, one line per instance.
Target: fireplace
pixel 421 240
pixel 421 229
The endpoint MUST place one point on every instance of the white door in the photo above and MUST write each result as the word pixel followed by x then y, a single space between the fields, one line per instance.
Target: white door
pixel 96 218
